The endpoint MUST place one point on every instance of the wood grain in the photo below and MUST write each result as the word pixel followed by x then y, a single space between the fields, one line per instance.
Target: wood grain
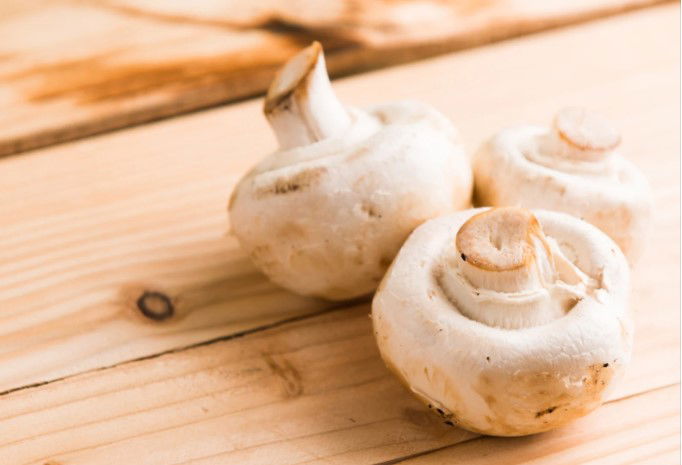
pixel 314 391
pixel 649 433
pixel 310 389
pixel 72 68
pixel 88 227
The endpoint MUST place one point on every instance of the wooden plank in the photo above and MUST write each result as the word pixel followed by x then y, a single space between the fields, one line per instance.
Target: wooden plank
pixel 314 391
pixel 71 69
pixel 648 433
pixel 88 226
pixel 313 388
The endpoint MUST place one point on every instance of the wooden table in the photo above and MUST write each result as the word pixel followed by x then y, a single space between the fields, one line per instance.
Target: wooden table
pixel 244 372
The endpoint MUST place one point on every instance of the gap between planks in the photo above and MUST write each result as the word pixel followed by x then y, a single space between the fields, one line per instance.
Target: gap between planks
pixel 507 449
pixel 227 337
pixel 311 380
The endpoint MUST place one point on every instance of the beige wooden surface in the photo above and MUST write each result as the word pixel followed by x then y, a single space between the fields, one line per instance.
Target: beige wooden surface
pixel 74 68
pixel 88 226
pixel 648 434
pixel 314 391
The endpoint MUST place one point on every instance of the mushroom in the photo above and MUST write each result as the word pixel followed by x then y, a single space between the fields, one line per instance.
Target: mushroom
pixel 506 321
pixel 326 213
pixel 574 167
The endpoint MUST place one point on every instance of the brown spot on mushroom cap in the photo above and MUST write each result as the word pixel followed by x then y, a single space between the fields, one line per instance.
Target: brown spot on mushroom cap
pixel 297 182
pixel 371 210
pixel 290 231
pixel 530 402
pixel 546 411
pixel 499 239
pixel 586 130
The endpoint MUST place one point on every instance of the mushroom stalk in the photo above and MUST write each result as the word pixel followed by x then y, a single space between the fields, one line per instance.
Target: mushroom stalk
pixel 504 251
pixel 301 105
pixel 580 135
pixel 508 274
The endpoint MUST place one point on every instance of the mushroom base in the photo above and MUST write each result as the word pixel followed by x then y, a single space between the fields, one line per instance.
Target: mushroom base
pixel 546 405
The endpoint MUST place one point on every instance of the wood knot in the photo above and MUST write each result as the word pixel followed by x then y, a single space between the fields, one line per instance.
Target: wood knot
pixel 155 305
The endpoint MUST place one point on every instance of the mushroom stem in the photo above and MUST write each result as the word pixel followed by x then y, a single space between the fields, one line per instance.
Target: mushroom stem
pixel 507 273
pixel 581 135
pixel 301 105
pixel 504 250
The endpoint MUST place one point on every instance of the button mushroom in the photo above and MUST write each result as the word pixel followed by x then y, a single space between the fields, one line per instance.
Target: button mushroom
pixel 575 167
pixel 505 321
pixel 325 214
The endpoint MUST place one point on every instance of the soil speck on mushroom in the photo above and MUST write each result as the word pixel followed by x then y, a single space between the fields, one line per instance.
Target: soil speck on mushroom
pixel 545 411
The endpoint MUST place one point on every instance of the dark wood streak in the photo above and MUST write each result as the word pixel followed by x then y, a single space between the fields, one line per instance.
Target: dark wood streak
pixel 283 369
pixel 191 83
pixel 100 78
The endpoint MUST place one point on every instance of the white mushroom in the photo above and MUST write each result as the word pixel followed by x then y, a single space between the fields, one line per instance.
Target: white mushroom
pixel 574 167
pixel 505 321
pixel 326 213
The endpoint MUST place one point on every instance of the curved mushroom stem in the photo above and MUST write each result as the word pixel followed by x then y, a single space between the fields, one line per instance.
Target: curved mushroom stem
pixel 301 105
pixel 582 135
pixel 508 274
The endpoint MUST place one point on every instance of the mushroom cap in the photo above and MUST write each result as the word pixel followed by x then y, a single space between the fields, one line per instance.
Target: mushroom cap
pixel 326 219
pixel 520 167
pixel 495 380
